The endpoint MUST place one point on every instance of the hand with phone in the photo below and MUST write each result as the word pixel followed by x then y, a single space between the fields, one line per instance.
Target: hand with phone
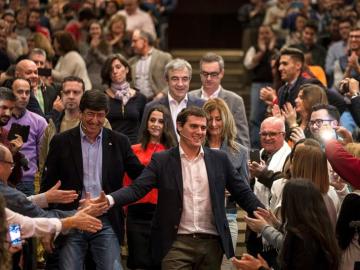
pixel 256 166
pixel 16 144
pixel 15 241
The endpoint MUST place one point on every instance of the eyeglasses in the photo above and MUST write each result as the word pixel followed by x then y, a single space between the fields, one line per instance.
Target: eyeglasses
pixel 318 122
pixel 12 164
pixel 270 134
pixel 212 75
pixel 354 36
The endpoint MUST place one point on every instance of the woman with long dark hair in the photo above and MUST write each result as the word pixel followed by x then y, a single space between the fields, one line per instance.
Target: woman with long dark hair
pixel 158 136
pixel 126 104
pixel 309 240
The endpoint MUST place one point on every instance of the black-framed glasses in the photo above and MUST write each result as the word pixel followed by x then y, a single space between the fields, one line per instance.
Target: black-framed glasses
pixel 12 164
pixel 212 75
pixel 271 134
pixel 318 122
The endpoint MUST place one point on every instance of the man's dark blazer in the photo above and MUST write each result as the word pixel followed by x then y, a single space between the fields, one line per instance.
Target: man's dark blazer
pixel 293 92
pixel 64 162
pixel 355 109
pixel 164 172
pixel 192 101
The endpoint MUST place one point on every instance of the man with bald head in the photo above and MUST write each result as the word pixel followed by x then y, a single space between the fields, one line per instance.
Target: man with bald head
pixel 43 99
pixel 273 155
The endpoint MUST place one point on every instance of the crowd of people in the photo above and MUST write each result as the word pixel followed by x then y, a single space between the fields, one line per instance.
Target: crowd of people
pixel 103 143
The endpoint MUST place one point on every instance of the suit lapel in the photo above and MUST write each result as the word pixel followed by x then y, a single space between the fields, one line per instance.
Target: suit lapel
pixel 75 143
pixel 152 62
pixel 175 165
pixel 209 163
pixel 106 145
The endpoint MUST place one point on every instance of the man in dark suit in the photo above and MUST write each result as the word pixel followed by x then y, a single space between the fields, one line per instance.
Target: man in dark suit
pixel 91 159
pixel 189 228
pixel 211 73
pixel 44 99
pixel 290 68
pixel 178 75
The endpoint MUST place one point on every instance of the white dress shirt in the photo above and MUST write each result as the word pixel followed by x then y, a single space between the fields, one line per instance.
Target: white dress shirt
pixel 205 96
pixel 142 79
pixel 175 108
pixel 197 215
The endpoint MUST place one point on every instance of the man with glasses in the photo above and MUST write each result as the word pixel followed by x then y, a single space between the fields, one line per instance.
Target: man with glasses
pixel 211 73
pixel 91 160
pixel 37 124
pixel 177 75
pixel 323 117
pixel 147 66
pixel 273 155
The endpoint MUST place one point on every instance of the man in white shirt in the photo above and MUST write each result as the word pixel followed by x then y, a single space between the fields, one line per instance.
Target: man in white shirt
pixel 177 75
pixel 190 229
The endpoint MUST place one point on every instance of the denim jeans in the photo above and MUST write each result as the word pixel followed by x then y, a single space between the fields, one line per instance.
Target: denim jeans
pixel 257 113
pixel 103 245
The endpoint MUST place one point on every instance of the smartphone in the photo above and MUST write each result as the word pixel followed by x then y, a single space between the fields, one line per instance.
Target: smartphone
pixel 15 234
pixel 327 133
pixel 44 72
pixel 23 131
pixel 255 155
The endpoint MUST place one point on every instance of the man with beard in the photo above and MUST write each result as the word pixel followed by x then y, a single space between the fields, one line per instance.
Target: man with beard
pixel 37 124
pixel 7 104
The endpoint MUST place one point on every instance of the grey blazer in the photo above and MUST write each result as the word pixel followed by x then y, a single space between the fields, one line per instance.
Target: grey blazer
pixel 159 59
pixel 237 107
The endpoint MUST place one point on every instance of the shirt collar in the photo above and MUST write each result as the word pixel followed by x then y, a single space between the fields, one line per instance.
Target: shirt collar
pixel 85 137
pixel 145 57
pixel 173 101
pixel 205 96
pixel 183 154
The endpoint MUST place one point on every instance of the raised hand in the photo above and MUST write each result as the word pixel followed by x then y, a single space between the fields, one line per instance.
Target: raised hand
pixel 55 195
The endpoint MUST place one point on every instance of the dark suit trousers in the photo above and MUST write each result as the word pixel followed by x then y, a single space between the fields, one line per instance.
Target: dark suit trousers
pixel 188 253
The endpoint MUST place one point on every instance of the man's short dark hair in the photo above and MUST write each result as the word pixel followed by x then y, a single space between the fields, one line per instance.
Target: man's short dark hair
pixel 73 79
pixel 212 57
pixel 311 24
pixel 346 20
pixel 190 111
pixel 7 94
pixel 331 110
pixel 294 53
pixel 86 14
pixel 94 100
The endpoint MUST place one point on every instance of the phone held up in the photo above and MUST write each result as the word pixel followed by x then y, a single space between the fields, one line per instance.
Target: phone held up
pixel 255 155
pixel 15 235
